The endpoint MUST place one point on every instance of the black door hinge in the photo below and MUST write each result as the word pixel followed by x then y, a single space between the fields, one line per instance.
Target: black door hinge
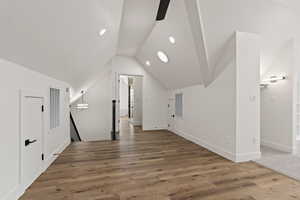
pixel 43 157
pixel 43 109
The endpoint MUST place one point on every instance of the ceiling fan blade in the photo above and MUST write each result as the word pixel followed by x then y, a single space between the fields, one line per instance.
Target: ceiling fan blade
pixel 162 10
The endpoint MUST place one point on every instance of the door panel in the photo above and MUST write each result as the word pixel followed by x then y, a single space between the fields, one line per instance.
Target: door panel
pixel 171 114
pixel 32 121
pixel 137 101
pixel 131 102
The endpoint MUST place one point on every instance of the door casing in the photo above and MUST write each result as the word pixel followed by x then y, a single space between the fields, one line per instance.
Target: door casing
pixel 171 114
pixel 25 93
pixel 117 95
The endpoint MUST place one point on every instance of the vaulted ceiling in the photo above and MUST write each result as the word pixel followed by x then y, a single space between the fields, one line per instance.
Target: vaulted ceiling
pixel 61 38
pixel 183 66
pixel 137 22
pixel 274 20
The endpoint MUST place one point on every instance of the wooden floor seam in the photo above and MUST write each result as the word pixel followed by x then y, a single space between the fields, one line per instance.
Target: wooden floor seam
pixel 157 165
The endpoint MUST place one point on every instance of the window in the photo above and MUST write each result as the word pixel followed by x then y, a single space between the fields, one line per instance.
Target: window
pixel 179 105
pixel 54 108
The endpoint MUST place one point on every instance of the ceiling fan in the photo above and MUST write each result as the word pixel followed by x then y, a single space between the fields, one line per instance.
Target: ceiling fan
pixel 162 10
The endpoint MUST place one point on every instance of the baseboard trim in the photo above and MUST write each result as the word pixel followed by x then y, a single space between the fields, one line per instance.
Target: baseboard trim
pixel 14 194
pixel 247 157
pixel 151 130
pixel 277 146
pixel 136 123
pixel 213 148
pixel 55 154
pixel 156 129
pixel 19 190
pixel 220 151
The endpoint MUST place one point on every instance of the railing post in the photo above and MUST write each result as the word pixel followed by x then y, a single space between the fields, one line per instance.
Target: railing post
pixel 113 132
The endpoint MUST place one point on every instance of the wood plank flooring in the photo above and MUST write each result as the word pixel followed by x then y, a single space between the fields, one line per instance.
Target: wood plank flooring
pixel 155 165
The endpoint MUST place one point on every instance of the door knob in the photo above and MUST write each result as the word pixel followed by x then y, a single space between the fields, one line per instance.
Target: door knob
pixel 28 142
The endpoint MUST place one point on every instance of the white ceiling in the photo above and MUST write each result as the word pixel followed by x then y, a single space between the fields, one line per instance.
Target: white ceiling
pixel 138 20
pixel 274 20
pixel 183 66
pixel 271 19
pixel 60 37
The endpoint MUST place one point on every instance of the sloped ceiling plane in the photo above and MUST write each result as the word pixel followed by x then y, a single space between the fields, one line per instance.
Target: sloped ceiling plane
pixel 64 38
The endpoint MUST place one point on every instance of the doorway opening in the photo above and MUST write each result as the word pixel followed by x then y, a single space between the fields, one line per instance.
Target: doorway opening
pixel 130 104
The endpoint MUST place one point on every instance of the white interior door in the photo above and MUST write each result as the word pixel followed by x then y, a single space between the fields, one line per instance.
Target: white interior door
pixel 171 114
pixel 32 138
pixel 131 102
pixel 137 101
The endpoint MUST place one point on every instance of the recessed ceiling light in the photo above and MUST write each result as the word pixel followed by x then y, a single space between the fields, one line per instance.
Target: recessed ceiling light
pixel 172 39
pixel 102 32
pixel 163 56
pixel 148 63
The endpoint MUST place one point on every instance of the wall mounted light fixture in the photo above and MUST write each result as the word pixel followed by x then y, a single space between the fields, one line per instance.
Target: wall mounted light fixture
pixel 273 79
pixel 83 105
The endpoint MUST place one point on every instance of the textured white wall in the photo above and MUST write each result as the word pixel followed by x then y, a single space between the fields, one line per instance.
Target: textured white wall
pixel 224 117
pixel 155 98
pixel 13 78
pixel 95 123
pixel 248 47
pixel 277 102
pixel 209 114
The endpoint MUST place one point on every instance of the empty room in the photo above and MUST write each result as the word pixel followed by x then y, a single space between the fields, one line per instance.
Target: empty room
pixel 150 100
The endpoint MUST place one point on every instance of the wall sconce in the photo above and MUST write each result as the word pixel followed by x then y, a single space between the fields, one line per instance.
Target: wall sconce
pixel 273 79
pixel 83 105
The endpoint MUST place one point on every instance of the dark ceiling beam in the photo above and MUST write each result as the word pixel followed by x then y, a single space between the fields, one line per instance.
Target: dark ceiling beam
pixel 162 10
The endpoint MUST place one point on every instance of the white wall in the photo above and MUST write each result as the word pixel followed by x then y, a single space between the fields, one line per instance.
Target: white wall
pixel 277 102
pixel 40 40
pixel 248 96
pixel 209 114
pixel 14 78
pixel 95 123
pixel 155 98
pixel 215 117
pixel 123 96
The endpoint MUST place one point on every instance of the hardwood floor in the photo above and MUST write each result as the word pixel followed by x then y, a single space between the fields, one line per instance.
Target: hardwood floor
pixel 155 165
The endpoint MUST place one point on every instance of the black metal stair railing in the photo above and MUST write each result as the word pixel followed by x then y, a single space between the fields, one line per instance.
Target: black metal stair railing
pixel 74 131
pixel 113 131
